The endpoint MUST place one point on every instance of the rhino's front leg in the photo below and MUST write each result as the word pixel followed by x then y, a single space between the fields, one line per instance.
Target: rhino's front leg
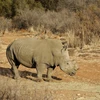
pixel 49 73
pixel 40 69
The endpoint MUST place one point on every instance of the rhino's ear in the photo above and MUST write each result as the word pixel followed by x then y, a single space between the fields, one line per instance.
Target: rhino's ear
pixel 64 42
pixel 65 48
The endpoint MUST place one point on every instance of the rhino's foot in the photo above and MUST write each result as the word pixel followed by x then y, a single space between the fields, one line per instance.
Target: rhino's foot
pixel 39 80
pixel 50 80
pixel 17 77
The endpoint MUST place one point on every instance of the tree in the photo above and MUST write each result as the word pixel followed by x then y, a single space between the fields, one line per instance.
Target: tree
pixel 24 5
pixel 73 5
pixel 6 8
pixel 49 4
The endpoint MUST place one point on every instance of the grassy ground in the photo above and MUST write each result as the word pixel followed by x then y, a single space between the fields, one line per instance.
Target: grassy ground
pixel 85 85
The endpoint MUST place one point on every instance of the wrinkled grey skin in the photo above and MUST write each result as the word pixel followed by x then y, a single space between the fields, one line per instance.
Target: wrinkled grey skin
pixel 39 54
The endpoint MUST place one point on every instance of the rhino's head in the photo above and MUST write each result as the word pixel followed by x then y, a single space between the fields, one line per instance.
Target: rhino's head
pixel 69 67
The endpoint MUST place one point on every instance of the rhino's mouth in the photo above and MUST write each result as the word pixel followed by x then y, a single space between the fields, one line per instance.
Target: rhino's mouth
pixel 72 73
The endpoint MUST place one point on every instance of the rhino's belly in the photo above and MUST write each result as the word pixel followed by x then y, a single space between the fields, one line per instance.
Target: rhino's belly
pixel 25 60
pixel 26 63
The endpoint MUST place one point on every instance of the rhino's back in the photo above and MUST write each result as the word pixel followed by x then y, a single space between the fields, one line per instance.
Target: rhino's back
pixel 32 43
pixel 29 42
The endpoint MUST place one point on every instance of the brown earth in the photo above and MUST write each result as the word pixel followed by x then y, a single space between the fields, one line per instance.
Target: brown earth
pixel 85 85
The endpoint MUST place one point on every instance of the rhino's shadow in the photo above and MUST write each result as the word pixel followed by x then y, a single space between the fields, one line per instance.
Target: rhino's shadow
pixel 7 72
pixel 24 74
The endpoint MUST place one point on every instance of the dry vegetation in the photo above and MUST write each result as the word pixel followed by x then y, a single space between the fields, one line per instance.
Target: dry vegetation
pixel 77 21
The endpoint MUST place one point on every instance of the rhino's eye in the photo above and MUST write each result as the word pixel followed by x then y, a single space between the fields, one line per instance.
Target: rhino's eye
pixel 67 63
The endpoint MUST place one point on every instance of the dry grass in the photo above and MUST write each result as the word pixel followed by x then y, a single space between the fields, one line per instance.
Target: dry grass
pixel 18 90
pixel 5 25
pixel 95 40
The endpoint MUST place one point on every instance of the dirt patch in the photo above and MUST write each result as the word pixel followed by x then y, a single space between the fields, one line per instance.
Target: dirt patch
pixel 85 85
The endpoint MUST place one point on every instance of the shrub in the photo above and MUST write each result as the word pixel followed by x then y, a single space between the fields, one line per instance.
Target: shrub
pixel 58 22
pixel 5 24
pixel 27 18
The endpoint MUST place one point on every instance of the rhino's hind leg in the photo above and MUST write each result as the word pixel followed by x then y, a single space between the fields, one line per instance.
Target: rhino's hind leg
pixel 14 69
pixel 13 62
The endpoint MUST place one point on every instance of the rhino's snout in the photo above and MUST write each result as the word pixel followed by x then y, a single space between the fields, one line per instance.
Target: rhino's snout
pixel 69 67
pixel 76 68
pixel 72 73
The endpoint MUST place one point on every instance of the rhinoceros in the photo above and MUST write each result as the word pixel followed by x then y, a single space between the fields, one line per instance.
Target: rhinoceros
pixel 39 54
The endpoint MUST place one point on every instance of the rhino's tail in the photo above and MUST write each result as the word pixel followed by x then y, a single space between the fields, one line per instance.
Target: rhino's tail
pixel 11 56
